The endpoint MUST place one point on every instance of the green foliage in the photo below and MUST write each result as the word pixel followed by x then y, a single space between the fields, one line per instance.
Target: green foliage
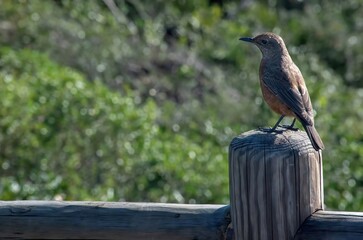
pixel 182 87
pixel 62 136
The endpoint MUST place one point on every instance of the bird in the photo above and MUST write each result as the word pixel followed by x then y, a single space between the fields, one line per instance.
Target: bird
pixel 283 86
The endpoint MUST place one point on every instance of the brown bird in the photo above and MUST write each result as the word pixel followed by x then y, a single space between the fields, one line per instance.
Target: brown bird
pixel 283 86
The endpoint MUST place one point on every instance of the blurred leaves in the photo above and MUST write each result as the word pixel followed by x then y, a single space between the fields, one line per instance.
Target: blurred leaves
pixel 79 140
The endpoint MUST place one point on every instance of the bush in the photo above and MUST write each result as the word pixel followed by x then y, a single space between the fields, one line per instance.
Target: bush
pixel 64 137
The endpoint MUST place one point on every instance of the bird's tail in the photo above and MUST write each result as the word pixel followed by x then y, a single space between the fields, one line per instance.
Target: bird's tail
pixel 314 137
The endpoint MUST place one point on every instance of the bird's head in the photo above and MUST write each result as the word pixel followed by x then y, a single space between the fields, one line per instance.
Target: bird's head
pixel 270 44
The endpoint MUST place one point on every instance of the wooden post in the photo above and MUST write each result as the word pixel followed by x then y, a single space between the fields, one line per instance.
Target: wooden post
pixel 275 184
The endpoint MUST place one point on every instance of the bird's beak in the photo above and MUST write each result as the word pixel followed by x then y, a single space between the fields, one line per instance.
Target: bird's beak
pixel 246 39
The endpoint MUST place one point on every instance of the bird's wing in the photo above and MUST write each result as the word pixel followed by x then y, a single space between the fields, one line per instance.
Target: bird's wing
pixel 293 93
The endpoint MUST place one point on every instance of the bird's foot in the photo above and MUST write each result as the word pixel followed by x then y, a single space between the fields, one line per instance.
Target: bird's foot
pixel 289 127
pixel 269 130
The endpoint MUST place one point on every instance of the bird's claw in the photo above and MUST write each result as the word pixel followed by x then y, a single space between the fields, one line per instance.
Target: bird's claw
pixel 269 130
pixel 289 127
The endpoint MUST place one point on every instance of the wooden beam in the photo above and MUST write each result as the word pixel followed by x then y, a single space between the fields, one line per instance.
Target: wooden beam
pixel 329 225
pixel 275 183
pixel 111 220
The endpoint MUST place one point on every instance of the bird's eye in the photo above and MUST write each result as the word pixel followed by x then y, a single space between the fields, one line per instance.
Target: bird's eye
pixel 263 41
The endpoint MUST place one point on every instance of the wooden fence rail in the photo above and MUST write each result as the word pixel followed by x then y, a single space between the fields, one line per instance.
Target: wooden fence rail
pixel 329 225
pixel 276 193
pixel 111 220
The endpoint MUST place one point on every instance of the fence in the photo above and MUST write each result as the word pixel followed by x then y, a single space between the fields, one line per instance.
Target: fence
pixel 276 189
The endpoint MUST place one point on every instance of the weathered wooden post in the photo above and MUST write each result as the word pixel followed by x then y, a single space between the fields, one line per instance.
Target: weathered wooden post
pixel 275 184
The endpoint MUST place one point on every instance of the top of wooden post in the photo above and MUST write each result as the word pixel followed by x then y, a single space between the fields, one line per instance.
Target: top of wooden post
pixel 283 139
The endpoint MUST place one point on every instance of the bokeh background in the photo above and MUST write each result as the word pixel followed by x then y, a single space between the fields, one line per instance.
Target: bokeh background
pixel 131 100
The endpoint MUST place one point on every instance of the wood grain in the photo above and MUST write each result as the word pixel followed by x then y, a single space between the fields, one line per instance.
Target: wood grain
pixel 111 220
pixel 275 184
pixel 329 225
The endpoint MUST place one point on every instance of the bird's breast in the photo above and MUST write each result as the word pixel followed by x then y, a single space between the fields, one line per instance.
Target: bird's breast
pixel 270 98
pixel 274 102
